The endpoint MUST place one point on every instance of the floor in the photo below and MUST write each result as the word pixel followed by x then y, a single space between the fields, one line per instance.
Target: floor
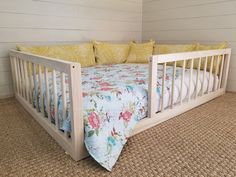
pixel 201 142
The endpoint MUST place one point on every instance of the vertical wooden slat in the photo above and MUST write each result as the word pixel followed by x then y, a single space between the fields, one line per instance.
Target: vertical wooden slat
pixel 64 103
pixel 173 84
pixel 47 92
pixel 19 76
pixel 54 78
pixel 35 99
pixel 163 87
pixel 22 69
pixel 210 73
pixel 221 71
pixel 30 78
pixel 197 77
pixel 16 75
pixel 26 80
pixel 152 88
pixel 216 73
pixel 23 78
pixel 190 79
pixel 41 88
pixel 63 85
pixel 226 70
pixel 13 73
pixel 182 82
pixel 204 75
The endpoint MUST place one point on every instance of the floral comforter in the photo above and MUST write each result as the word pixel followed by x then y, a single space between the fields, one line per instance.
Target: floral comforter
pixel 114 100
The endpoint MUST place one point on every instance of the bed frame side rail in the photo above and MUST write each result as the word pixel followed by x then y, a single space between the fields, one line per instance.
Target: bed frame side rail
pixel 157 113
pixel 31 74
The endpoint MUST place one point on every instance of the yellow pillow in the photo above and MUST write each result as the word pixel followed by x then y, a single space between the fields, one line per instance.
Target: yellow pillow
pixel 82 53
pixel 215 68
pixel 222 45
pixel 140 53
pixel 106 53
pixel 173 48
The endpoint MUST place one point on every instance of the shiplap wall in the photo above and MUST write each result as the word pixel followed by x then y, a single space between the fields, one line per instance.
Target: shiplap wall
pixel 72 21
pixel 185 21
pixel 63 21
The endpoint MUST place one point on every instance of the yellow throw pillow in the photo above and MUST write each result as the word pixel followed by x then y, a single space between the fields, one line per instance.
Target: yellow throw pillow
pixel 222 45
pixel 140 53
pixel 106 53
pixel 215 68
pixel 82 53
pixel 173 48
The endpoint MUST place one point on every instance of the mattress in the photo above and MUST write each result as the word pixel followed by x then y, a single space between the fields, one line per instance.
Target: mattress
pixel 115 98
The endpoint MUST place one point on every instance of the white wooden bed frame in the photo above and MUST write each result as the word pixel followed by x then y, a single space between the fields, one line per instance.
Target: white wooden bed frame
pixel 73 143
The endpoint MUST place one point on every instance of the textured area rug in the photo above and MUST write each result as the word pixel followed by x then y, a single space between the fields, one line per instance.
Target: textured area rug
pixel 200 142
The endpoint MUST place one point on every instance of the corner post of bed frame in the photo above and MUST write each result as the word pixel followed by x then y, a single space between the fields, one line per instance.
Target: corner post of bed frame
pixel 13 72
pixel 152 86
pixel 226 68
pixel 13 61
pixel 77 123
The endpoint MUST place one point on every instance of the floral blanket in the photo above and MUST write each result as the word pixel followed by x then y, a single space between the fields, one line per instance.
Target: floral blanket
pixel 114 100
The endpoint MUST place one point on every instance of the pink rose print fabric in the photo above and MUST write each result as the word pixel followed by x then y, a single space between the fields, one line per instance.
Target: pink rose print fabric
pixel 115 98
pixel 94 120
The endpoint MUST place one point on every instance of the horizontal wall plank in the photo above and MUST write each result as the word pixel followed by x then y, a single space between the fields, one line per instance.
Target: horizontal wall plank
pixel 215 22
pixel 231 86
pixel 22 35
pixel 4 65
pixel 36 7
pixel 233 62
pixel 232 72
pixel 6 91
pixel 44 22
pixel 57 9
pixel 4 49
pixel 163 5
pixel 213 9
pixel 209 34
pixel 5 78
pixel 103 4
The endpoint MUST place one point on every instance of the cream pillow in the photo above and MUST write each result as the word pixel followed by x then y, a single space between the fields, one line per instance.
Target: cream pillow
pixel 107 53
pixel 140 53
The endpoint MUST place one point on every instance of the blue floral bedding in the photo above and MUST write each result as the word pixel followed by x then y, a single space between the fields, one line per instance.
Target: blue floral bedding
pixel 114 100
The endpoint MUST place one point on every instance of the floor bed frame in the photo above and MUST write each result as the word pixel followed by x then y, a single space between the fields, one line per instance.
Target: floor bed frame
pixel 29 70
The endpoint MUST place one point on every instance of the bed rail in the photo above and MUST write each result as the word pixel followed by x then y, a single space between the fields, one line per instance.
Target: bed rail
pixel 158 112
pixel 31 73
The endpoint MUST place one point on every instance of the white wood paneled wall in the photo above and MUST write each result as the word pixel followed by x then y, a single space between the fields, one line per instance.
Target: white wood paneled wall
pixel 63 21
pixel 185 21
pixel 66 21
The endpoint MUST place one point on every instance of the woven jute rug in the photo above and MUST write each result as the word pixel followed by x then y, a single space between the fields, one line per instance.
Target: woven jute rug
pixel 200 142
